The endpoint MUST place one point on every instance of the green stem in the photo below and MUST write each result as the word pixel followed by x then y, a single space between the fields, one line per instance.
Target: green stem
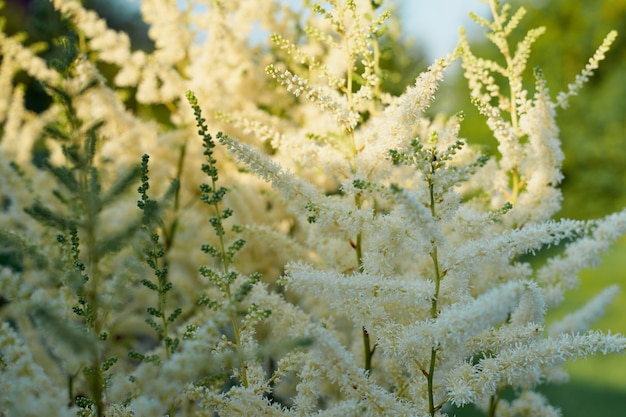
pixel 434 307
pixel 369 352
pixel 170 233
pixel 367 349
pixel 232 313
pixel 88 200
pixel 493 403
pixel 517 185
pixel 429 378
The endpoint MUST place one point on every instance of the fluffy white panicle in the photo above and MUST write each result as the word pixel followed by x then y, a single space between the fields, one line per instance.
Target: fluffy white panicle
pixel 523 365
pixel 161 386
pixel 561 272
pixel 509 146
pixel 562 98
pixel 295 152
pixel 326 100
pixel 531 308
pixel 240 402
pixel 511 243
pixel 329 212
pixel 396 126
pixel 113 47
pixel 24 59
pixel 374 301
pixel 582 319
pixel 387 271
pixel 22 380
pixel 529 403
pixel 541 166
pixel 168 29
pixel 454 325
pixel 335 365
pixel 391 244
pixel 419 216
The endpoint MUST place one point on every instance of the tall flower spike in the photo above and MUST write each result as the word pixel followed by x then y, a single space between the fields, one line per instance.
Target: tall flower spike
pixel 324 99
pixel 562 99
pixel 582 319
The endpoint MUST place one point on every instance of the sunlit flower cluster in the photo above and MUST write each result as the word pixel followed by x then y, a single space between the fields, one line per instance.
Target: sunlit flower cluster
pixel 335 252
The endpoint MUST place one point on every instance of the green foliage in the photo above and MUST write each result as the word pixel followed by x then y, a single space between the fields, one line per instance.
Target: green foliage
pixel 224 277
pixel 83 242
pixel 160 318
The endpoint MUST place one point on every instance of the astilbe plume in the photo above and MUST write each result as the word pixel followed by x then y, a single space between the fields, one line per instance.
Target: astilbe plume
pixel 352 257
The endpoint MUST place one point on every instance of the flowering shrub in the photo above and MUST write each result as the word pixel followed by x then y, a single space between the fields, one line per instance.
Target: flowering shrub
pixel 353 257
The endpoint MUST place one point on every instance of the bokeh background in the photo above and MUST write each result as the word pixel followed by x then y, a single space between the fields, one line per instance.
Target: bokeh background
pixel 593 128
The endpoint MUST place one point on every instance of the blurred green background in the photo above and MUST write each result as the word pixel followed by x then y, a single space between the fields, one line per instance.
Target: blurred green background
pixel 593 132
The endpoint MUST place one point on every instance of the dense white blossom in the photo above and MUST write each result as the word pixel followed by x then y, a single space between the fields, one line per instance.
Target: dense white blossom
pixel 22 381
pixel 582 319
pixel 355 256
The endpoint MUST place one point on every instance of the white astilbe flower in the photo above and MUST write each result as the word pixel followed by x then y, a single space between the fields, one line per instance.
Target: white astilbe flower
pixel 541 166
pixel 130 74
pixel 508 244
pixel 263 131
pixel 286 321
pixel 332 363
pixel 503 337
pixel 531 308
pixel 479 72
pixel 582 319
pixel 113 47
pixel 509 145
pixel 529 404
pixel 396 126
pixel 394 238
pixel 22 379
pixel 419 216
pixel 469 223
pixel 372 301
pixel 278 241
pixel 523 365
pixel 161 386
pixel 417 97
pixel 327 100
pixel 7 72
pixel 239 401
pixel 13 139
pixel 168 29
pixel 454 325
pixel 270 171
pixel 561 273
pixel 562 98
pixel 12 287
pixel 327 212
pixel 23 58
pixel 297 152
pixel 395 259
pixel 157 80
pixel 101 103
pixel 517 66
